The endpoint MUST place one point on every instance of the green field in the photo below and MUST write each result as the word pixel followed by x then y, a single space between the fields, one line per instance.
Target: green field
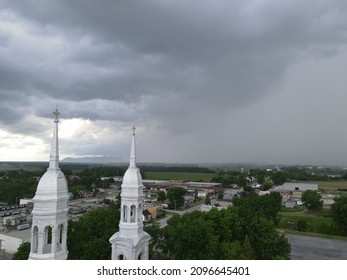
pixel 317 224
pixel 184 176
pixel 296 209
pixel 331 185
pixel 26 167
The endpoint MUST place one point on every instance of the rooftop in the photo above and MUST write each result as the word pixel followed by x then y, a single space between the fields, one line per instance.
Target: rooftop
pixel 20 234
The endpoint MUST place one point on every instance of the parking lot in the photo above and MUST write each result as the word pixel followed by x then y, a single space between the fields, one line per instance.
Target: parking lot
pixel 317 248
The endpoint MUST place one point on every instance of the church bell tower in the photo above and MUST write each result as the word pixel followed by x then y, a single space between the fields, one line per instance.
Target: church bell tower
pixel 131 242
pixel 50 212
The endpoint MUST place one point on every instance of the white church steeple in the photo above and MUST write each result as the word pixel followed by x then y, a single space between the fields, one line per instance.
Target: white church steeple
pixel 50 212
pixel 131 242
pixel 133 150
pixel 54 155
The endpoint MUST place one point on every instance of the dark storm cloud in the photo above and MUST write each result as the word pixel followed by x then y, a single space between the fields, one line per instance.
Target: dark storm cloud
pixel 226 53
pixel 171 62
pixel 12 107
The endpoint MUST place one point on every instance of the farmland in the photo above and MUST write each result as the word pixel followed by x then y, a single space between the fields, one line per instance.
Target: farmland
pixel 184 176
pixel 332 185
pixel 316 224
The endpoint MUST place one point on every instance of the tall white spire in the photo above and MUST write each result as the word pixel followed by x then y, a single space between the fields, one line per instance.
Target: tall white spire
pixel 133 150
pixel 131 242
pixel 54 155
pixel 50 212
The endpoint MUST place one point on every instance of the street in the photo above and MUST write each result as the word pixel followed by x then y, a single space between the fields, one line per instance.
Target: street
pixel 163 222
pixel 317 248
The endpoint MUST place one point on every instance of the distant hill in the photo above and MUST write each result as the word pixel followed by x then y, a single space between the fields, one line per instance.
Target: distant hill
pixel 93 160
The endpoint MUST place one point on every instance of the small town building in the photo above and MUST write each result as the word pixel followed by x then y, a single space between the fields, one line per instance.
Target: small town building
pixel 297 194
pixel 328 199
pixel 290 204
pixel 205 208
pixel 296 187
pixel 155 211
pixel 25 201
pixel 261 193
pixel 10 241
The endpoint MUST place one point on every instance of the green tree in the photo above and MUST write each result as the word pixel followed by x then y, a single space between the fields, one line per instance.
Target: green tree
pixel 175 195
pixel 339 213
pixel 279 178
pixel 23 252
pixel 220 195
pixel 247 249
pixel 267 185
pixel 190 237
pixel 302 225
pixel 243 179
pixel 207 200
pixel 196 193
pixel 16 185
pixel 161 196
pixel 155 242
pixel 267 205
pixel 223 234
pixel 265 240
pixel 312 200
pixel 118 202
pixel 8 223
pixel 232 251
pixel 271 205
pixel 95 192
pixel 260 179
pixel 247 190
pixel 88 237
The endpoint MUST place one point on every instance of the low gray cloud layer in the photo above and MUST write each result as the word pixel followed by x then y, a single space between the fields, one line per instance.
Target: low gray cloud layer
pixel 204 80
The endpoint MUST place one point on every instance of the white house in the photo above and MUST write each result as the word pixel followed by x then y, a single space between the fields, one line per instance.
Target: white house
pixel 10 241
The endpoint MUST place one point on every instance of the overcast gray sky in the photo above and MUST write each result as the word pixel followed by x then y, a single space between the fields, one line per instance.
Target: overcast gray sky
pixel 204 81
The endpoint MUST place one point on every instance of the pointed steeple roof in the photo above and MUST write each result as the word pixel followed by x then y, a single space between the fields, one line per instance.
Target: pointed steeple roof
pixel 53 183
pixel 132 177
pixel 133 151
pixel 54 155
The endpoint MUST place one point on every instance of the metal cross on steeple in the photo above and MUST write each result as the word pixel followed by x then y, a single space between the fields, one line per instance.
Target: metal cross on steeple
pixel 56 113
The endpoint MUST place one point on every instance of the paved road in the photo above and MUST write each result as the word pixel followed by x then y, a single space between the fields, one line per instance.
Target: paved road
pixel 317 248
pixel 163 222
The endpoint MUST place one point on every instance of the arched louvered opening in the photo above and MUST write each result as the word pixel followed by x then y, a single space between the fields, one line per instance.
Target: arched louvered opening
pixel 139 213
pixel 61 229
pixel 60 236
pixel 133 213
pixel 125 210
pixel 47 240
pixel 35 240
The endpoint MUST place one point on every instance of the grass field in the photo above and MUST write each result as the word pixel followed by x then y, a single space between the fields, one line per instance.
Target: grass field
pixel 185 176
pixel 13 167
pixel 331 185
pixel 293 210
pixel 317 224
